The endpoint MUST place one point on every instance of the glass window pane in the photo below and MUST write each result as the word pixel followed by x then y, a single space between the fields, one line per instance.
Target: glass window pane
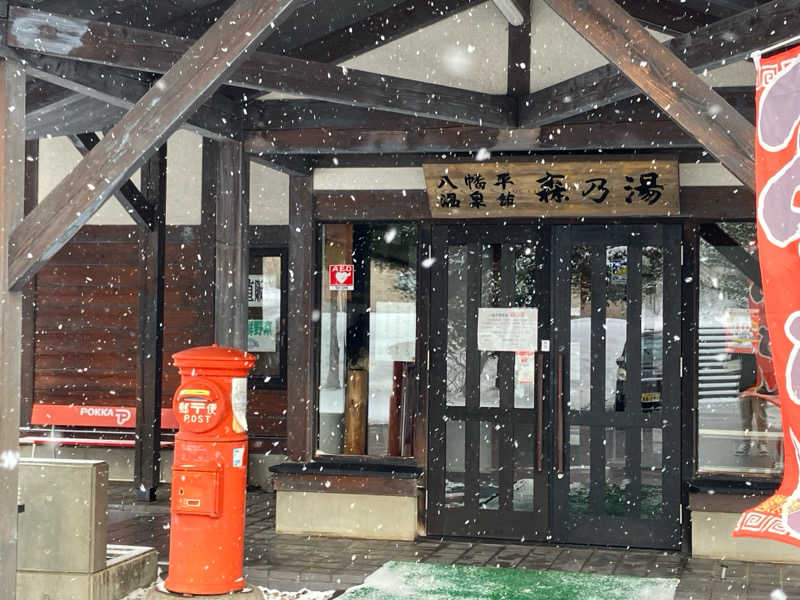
pixel 524 453
pixel 580 328
pixel 615 329
pixel 738 416
pixel 368 340
pixel 650 506
pixel 456 325
pixel 652 350
pixel 264 316
pixel 616 481
pixel 525 291
pixel 455 433
pixel 490 297
pixel 579 468
pixel 489 461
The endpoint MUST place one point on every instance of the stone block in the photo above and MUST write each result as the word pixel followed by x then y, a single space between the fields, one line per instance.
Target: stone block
pixel 366 516
pixel 126 569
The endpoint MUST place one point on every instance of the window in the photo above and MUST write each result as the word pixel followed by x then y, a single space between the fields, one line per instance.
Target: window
pixel 266 316
pixel 367 339
pixel 738 415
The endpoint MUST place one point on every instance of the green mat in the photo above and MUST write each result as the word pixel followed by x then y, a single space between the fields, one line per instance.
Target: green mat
pixel 418 581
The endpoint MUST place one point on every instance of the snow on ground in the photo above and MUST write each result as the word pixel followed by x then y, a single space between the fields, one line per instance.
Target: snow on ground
pixel 269 594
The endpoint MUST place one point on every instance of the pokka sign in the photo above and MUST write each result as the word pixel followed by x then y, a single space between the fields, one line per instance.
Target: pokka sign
pixel 777 185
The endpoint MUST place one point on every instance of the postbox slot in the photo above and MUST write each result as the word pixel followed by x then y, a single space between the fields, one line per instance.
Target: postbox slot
pixel 197 490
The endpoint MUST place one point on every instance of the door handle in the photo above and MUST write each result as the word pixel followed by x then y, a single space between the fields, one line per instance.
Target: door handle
pixel 560 414
pixel 539 409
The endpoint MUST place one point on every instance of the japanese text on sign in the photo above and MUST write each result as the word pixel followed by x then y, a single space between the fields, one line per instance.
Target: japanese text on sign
pixel 554 186
pixel 196 410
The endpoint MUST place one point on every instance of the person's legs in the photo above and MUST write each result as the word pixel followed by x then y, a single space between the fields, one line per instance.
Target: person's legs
pixel 759 410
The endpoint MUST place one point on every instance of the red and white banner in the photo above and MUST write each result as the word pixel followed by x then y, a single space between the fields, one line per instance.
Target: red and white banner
pixel 778 224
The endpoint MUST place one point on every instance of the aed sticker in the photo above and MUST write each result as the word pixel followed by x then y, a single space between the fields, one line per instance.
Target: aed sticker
pixel 238 457
pixel 239 403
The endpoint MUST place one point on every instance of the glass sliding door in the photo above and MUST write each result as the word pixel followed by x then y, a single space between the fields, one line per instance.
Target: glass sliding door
pixel 487 475
pixel 616 309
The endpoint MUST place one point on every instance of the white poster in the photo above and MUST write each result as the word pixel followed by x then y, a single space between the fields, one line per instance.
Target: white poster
pixel 239 403
pixel 507 329
pixel 262 334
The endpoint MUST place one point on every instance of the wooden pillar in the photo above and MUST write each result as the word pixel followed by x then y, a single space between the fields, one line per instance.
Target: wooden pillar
pixel 519 58
pixel 29 292
pixel 12 181
pixel 231 171
pixel 151 326
pixel 208 237
pixel 300 371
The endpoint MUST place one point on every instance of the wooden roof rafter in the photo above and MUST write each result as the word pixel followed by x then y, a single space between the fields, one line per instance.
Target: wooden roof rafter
pixel 219 118
pixel 143 50
pixel 132 200
pixel 399 20
pixel 192 80
pixel 723 42
pixel 668 81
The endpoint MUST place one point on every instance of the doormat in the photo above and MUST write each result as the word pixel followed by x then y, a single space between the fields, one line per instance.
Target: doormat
pixel 418 581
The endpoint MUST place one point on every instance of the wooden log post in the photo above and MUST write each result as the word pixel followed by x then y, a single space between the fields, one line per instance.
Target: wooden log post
pixel 355 412
pixel 300 368
pixel 232 174
pixel 12 179
pixel 147 462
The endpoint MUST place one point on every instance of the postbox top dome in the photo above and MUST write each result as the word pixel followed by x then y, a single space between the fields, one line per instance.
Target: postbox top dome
pixel 214 357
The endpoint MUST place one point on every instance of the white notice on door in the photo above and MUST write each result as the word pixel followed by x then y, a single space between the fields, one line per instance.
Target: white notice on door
pixel 507 329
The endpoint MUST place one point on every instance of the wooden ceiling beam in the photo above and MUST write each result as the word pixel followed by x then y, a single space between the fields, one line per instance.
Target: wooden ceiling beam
pixel 69 116
pixel 191 81
pixel 143 50
pixel 40 94
pixel 381 28
pixel 672 85
pixel 133 201
pixel 638 135
pixel 299 114
pixel 723 42
pixel 666 16
pixel 219 118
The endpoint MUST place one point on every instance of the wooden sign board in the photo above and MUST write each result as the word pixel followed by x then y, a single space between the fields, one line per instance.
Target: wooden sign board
pixel 595 186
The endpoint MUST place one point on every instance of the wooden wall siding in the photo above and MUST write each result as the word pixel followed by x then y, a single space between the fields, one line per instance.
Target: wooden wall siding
pixel 86 323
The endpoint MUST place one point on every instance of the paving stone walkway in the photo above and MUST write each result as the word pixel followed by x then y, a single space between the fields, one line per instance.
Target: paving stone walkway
pixel 290 562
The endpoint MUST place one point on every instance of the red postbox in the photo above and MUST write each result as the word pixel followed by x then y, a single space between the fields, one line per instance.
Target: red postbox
pixel 209 472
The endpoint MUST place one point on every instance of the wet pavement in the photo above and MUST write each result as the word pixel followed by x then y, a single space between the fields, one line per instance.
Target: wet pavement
pixel 291 562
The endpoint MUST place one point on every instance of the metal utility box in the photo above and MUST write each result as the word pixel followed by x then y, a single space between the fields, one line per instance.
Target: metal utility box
pixel 64 525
